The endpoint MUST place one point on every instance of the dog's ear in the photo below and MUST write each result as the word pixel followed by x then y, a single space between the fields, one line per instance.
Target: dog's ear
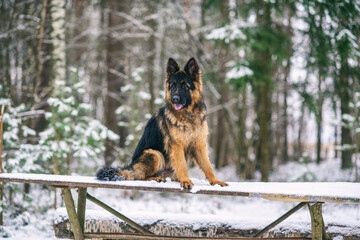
pixel 192 68
pixel 172 67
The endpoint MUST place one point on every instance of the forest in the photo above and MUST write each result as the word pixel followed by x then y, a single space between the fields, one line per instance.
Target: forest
pixel 79 80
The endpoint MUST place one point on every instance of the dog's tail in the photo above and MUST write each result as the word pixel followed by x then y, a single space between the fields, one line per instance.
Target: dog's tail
pixel 110 174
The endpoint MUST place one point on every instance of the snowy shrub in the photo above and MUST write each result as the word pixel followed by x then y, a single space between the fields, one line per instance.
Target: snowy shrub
pixel 72 136
pixel 26 159
pixel 19 155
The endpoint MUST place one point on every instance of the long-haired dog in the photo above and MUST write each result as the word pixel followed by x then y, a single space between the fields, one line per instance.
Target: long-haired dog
pixel 175 134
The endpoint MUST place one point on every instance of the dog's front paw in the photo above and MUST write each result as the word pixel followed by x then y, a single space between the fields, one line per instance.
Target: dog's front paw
pixel 186 184
pixel 223 184
pixel 158 179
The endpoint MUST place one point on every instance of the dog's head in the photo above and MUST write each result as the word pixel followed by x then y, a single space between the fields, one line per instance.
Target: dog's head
pixel 183 87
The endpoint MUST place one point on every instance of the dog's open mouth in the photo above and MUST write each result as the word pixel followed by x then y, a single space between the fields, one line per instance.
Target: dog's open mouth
pixel 178 106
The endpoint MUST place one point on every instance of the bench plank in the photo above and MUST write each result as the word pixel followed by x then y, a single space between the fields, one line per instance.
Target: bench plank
pixel 332 192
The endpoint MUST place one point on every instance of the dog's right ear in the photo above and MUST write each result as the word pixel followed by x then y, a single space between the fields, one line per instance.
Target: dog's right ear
pixel 172 67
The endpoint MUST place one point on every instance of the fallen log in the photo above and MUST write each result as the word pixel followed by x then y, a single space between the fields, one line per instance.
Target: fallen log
pixel 98 221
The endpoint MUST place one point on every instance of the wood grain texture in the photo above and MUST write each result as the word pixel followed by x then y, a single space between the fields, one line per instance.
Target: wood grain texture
pixel 317 222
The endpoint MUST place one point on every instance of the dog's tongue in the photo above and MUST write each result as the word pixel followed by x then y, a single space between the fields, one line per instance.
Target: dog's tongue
pixel 178 106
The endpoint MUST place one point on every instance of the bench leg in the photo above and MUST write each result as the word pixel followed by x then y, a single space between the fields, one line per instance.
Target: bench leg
pixel 119 215
pixel 317 222
pixel 81 207
pixel 73 218
pixel 280 219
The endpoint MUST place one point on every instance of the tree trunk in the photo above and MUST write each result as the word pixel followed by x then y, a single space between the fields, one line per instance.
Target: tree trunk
pixel 221 151
pixel 285 153
pixel 265 69
pixel 285 120
pixel 298 152
pixel 5 25
pixel 114 62
pixel 318 136
pixel 319 116
pixel 58 40
pixel 243 164
pixel 39 58
pixel 276 146
pixel 58 59
pixel 150 75
pixel 221 147
pixel 264 116
pixel 345 98
pixel 1 162
pixel 44 68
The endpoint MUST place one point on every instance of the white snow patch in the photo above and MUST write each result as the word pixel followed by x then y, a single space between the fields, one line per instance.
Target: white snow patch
pixel 239 72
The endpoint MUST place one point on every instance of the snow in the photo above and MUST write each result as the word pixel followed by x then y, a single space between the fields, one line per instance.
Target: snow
pixel 315 190
pixel 239 72
pixel 230 32
pixel 144 95
pixel 348 117
pixel 351 37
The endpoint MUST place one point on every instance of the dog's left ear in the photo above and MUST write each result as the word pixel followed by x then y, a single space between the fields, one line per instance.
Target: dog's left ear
pixel 192 68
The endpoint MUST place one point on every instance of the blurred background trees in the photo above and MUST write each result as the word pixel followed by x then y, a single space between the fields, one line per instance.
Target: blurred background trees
pixel 80 79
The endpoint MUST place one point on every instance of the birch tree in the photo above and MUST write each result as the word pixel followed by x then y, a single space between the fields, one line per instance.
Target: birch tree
pixel 58 55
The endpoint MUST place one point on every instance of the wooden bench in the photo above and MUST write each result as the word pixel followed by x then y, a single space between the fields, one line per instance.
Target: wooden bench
pixel 311 194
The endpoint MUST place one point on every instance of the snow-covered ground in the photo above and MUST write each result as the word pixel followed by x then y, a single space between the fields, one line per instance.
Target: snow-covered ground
pixel 239 212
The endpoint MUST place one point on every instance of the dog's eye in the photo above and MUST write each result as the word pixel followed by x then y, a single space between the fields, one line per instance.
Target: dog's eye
pixel 185 86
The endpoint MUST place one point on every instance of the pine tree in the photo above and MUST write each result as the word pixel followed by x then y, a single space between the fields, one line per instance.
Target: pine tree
pixel 264 45
pixel 266 49
pixel 346 35
pixel 72 136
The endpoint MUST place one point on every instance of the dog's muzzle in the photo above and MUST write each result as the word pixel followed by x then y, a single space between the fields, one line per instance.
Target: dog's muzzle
pixel 176 101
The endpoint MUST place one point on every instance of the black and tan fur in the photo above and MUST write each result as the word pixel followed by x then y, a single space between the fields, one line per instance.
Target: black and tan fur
pixel 175 134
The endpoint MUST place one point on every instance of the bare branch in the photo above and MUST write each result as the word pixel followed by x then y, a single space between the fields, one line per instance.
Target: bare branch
pixel 31 113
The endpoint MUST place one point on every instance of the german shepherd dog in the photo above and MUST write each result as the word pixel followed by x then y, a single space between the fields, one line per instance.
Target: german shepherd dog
pixel 174 134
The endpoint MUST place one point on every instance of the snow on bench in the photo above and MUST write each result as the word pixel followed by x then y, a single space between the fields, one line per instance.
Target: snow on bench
pixel 311 194
pixel 332 192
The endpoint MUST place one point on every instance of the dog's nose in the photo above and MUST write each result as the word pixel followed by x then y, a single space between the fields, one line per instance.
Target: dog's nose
pixel 176 99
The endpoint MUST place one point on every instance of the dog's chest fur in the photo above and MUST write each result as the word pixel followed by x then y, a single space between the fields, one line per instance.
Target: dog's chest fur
pixel 186 128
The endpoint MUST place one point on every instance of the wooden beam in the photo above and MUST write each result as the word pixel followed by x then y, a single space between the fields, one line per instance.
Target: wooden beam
pixel 81 206
pixel 317 221
pixel 65 181
pixel 119 215
pixel 157 237
pixel 280 219
pixel 70 208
